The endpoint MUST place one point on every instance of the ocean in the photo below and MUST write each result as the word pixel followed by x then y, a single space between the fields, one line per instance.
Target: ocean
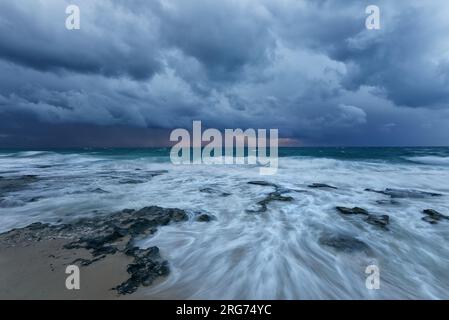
pixel 303 248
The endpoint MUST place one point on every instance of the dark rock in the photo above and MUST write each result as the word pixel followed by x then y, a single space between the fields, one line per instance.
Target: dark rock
pixel 207 190
pixel 140 225
pixel 104 235
pixel 405 193
pixel 35 199
pixel 433 216
pixel 376 191
pixel 104 250
pixel 162 216
pixel 321 185
pixel 273 196
pixel 388 202
pixel 355 210
pixel 146 267
pixel 155 173
pixel 131 181
pixel 278 189
pixel 399 193
pixel 98 245
pixel 262 183
pixel 434 213
pixel 29 177
pixel 430 220
pixel 213 191
pixel 276 196
pixel 204 218
pixel 344 243
pixel 379 221
pixel 86 262
pixel 44 166
pixel 37 226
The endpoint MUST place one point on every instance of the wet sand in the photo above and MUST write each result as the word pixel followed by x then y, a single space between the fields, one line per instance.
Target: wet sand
pixel 36 270
pixel 33 259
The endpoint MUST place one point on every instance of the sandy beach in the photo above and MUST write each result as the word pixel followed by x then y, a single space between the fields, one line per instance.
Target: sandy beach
pixel 37 271
pixel 33 260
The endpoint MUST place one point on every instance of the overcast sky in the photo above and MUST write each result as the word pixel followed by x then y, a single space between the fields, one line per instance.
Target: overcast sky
pixel 137 69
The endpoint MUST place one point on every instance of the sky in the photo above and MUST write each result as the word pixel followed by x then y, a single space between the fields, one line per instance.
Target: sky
pixel 135 70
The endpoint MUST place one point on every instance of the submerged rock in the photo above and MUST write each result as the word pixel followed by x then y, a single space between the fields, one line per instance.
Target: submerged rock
pixel 433 216
pixel 44 166
pixel 263 183
pixel 388 202
pixel 277 195
pixel 405 193
pixel 155 173
pixel 34 199
pixel 131 181
pixel 272 196
pixel 204 218
pixel 343 243
pixel 399 193
pixel 380 221
pixel 355 210
pixel 321 186
pixel 142 177
pixel 214 191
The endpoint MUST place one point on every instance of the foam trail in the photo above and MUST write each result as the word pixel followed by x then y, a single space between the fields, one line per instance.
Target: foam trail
pixel 274 254
pixel 431 160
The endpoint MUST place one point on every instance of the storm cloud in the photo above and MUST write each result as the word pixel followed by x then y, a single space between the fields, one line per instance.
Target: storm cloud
pixel 137 69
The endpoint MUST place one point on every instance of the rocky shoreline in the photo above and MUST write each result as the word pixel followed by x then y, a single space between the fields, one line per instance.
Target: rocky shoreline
pixel 91 241
pixel 104 236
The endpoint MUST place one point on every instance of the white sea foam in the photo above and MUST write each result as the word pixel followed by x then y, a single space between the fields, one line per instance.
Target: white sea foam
pixel 275 254
pixel 432 160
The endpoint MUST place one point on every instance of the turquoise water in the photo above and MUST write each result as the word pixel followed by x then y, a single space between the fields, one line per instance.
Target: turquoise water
pixel 425 155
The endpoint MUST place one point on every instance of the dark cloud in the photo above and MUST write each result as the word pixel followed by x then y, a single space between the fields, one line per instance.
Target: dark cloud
pixel 33 34
pixel 224 37
pixel 309 68
pixel 407 58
